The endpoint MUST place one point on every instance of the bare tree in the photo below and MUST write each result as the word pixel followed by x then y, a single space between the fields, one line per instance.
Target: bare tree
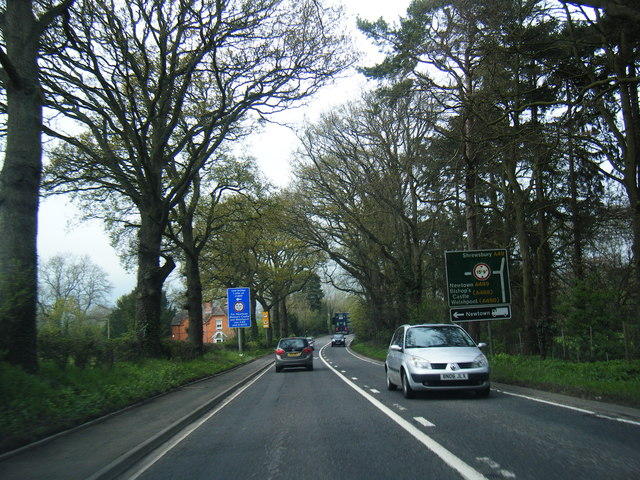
pixel 23 24
pixel 66 277
pixel 147 79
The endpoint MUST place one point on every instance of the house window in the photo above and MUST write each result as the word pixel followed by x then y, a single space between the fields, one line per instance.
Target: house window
pixel 218 324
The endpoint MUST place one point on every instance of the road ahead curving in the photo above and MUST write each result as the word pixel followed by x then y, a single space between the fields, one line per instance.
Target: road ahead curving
pixel 339 422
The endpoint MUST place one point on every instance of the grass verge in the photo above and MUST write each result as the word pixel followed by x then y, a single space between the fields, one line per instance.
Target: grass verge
pixel 35 406
pixel 615 381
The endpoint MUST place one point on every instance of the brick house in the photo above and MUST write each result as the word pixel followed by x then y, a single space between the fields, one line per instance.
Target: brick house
pixel 215 325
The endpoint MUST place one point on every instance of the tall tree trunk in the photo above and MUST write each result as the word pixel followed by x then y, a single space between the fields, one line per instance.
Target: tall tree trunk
pixel 522 235
pixel 631 119
pixel 19 188
pixel 284 320
pixel 151 277
pixel 275 321
pixel 192 267
pixel 194 293
pixel 544 264
pixel 527 288
pixel 576 216
pixel 471 181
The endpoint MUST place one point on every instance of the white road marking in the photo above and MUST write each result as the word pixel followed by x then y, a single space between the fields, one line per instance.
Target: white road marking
pixel 423 421
pixel 373 390
pixel 466 471
pixel 354 378
pixel 490 463
pixel 399 407
pixel 569 407
pixel 496 467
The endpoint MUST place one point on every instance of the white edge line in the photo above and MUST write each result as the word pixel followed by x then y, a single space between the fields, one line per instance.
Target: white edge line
pixel 449 458
pixel 364 359
pixel 190 429
pixel 569 407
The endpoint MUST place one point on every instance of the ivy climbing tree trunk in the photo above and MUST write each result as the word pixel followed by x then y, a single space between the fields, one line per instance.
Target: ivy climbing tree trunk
pixel 20 178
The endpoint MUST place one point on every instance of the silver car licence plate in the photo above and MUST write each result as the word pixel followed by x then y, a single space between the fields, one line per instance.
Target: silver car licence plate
pixel 454 376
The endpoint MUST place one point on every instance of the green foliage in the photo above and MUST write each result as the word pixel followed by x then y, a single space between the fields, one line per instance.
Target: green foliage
pixel 316 324
pixel 314 293
pixel 360 321
pixel 86 349
pixel 64 314
pixel 181 351
pixel 591 326
pixel 615 380
pixel 370 349
pixel 122 318
pixel 588 304
pixel 255 345
pixel 80 348
pixel 57 398
pixel 432 310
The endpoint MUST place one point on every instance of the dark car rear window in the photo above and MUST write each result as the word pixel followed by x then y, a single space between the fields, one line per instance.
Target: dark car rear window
pixel 293 344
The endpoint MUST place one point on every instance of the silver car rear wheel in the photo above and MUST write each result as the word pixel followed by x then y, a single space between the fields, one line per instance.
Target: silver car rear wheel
pixel 390 385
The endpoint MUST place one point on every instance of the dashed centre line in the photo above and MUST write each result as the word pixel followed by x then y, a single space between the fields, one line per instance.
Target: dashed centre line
pixel 423 421
pixel 495 466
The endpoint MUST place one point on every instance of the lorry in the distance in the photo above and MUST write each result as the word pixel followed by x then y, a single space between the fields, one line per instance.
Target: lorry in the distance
pixel 341 323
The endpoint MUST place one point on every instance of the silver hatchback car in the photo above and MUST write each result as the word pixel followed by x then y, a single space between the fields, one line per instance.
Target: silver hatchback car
pixel 433 357
pixel 294 352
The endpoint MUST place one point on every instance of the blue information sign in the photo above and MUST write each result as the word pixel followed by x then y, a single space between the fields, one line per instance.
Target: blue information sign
pixel 238 300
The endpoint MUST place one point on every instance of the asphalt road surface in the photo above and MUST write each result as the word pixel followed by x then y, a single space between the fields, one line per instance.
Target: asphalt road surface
pixel 339 422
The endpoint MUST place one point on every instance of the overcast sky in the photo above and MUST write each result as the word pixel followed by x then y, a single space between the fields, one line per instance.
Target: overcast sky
pixel 60 230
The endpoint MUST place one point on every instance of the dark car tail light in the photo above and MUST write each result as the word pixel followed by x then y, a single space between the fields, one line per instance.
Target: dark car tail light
pixel 279 351
pixel 307 350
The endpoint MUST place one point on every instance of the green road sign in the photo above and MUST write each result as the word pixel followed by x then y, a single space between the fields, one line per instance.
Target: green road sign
pixel 478 278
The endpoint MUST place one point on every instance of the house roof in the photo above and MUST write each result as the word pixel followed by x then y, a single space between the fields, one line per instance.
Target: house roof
pixel 179 317
pixel 182 315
